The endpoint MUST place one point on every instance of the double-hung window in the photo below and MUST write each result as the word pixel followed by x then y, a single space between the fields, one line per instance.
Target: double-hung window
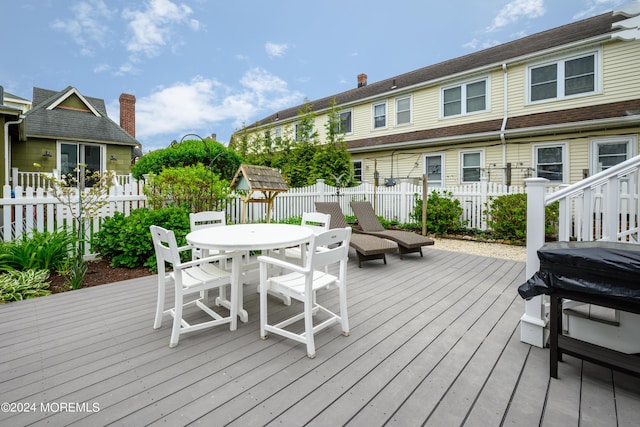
pixel 357 170
pixel 345 122
pixel 464 99
pixel 403 110
pixel 563 78
pixel 609 152
pixel 470 162
pixel 380 115
pixel 549 162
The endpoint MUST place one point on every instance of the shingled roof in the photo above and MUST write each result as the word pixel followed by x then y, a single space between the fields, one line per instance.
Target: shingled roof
pixel 252 178
pixel 559 36
pixel 258 178
pixel 49 119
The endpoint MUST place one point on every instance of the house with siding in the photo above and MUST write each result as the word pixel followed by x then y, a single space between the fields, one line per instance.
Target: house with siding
pixel 562 104
pixel 63 128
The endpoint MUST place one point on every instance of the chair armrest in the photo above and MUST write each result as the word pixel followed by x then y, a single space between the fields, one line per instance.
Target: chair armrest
pixel 185 248
pixel 281 263
pixel 200 261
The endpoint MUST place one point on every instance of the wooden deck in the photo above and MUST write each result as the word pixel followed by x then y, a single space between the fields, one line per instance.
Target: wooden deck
pixel 434 341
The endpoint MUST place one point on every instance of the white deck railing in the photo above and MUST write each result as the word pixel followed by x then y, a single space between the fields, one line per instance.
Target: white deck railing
pixel 36 180
pixel 604 207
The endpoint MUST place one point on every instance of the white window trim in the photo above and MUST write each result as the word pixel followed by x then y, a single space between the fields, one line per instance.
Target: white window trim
pixel 630 140
pixel 465 84
pixel 461 165
pixel 361 161
pixel 373 115
pixel 347 110
pixel 399 98
pixel 565 158
pixel 597 81
pixel 442 168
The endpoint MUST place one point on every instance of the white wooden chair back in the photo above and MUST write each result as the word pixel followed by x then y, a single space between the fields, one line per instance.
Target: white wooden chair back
pixel 204 219
pixel 327 248
pixel 166 248
pixel 316 221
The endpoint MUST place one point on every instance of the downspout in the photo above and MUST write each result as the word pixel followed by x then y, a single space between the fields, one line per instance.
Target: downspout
pixel 504 122
pixel 6 146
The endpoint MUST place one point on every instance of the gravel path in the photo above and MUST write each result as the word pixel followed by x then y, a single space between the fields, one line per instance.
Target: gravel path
pixel 496 250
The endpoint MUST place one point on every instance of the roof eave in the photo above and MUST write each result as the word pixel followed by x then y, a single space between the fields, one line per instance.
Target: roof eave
pixel 579 126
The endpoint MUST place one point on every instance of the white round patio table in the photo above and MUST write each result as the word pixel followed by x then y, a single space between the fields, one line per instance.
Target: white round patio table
pixel 247 237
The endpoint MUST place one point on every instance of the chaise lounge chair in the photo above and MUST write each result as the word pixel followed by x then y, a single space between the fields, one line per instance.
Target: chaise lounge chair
pixel 367 247
pixel 406 240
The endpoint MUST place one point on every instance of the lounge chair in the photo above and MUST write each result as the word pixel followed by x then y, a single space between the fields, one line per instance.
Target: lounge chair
pixel 407 241
pixel 367 247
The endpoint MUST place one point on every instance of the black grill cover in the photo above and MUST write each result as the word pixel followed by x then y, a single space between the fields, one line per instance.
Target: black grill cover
pixel 609 269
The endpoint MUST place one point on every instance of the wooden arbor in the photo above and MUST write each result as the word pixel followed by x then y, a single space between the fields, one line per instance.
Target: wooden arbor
pixel 252 178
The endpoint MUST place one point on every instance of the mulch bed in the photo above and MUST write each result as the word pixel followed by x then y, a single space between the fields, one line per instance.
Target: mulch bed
pixel 100 272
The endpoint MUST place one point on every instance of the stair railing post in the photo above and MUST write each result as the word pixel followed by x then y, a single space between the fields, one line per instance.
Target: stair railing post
pixel 534 320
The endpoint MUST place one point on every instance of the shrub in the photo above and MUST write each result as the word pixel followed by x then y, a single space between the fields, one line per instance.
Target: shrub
pixel 507 217
pixel 126 240
pixel 194 186
pixel 19 285
pixel 443 213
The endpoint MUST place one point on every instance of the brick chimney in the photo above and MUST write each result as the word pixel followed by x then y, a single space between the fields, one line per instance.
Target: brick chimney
pixel 128 113
pixel 362 80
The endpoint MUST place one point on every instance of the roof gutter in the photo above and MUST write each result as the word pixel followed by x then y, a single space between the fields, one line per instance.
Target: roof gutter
pixel 505 117
pixel 531 131
pixel 6 146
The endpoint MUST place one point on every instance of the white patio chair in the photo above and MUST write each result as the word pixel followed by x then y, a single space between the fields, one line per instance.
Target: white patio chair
pixel 302 282
pixel 316 221
pixel 198 220
pixel 189 278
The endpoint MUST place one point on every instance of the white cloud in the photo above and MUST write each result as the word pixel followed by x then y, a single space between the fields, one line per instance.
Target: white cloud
pixel 275 49
pixel 153 27
pixel 595 7
pixel 88 25
pixel 101 68
pixel 206 103
pixel 515 10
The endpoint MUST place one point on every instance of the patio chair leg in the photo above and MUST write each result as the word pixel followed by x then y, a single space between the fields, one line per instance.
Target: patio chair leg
pixel 177 319
pixel 159 306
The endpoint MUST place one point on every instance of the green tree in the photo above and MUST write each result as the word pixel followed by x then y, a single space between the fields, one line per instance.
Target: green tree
pixel 187 153
pixel 332 161
pixel 296 165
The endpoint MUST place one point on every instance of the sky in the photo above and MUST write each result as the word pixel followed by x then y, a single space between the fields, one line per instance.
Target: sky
pixel 210 66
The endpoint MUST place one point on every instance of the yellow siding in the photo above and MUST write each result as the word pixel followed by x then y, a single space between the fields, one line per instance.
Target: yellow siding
pixel 620 62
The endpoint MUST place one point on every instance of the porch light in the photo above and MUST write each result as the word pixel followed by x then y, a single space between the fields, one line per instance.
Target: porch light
pixel 47 153
pixel 113 158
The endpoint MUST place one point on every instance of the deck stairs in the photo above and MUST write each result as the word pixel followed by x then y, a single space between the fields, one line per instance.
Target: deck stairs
pixel 603 207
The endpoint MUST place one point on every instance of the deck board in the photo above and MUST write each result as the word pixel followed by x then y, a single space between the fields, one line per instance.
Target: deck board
pixel 433 341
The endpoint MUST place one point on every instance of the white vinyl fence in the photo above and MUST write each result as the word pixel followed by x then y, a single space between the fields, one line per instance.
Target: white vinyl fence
pixel 392 203
pixel 26 209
